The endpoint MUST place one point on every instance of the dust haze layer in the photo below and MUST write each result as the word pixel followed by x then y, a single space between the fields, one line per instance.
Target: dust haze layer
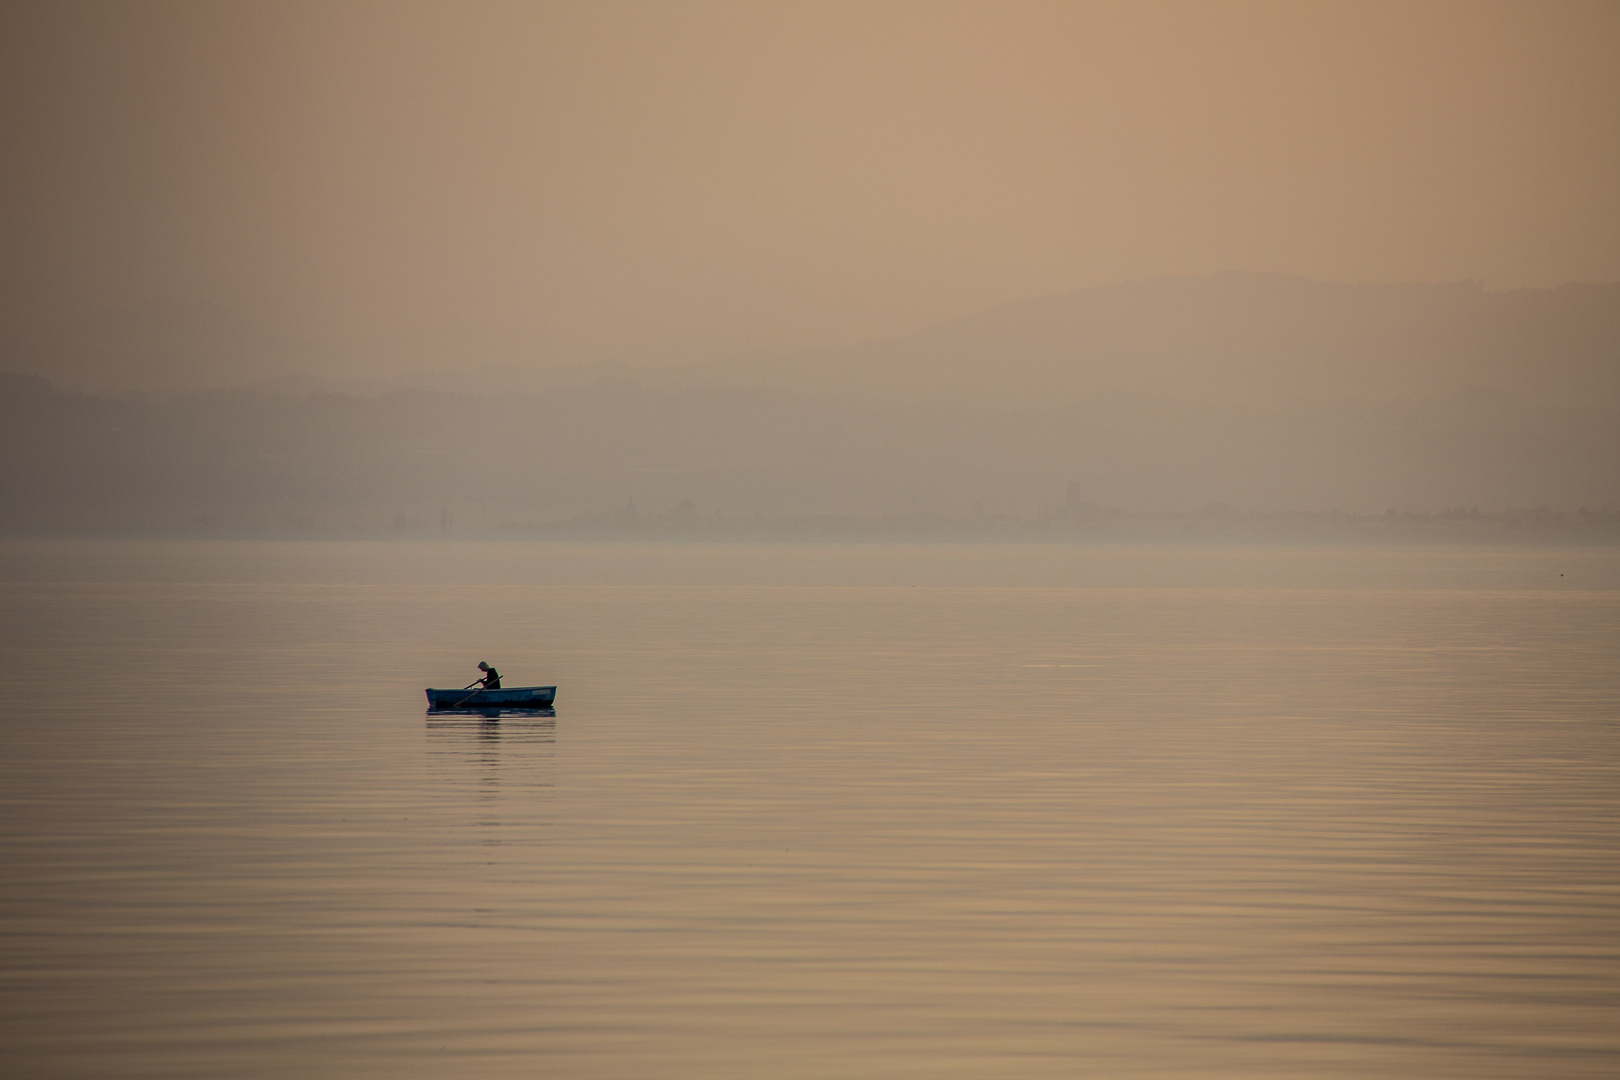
pixel 420 461
pixel 399 186
pixel 1236 339
pixel 1262 393
pixel 1233 339
pixel 1259 392
pixel 385 262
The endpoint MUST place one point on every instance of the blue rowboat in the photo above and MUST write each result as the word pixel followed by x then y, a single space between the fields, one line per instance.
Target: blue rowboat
pixel 511 697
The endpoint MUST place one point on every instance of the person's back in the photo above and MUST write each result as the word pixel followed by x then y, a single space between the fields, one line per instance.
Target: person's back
pixel 492 678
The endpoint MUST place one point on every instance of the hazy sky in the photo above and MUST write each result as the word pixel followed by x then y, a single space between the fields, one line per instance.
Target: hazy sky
pixel 550 179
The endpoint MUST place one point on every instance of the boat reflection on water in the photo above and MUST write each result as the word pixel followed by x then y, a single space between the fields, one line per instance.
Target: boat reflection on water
pixel 465 731
pixel 439 717
pixel 482 733
pixel 480 730
pixel 503 758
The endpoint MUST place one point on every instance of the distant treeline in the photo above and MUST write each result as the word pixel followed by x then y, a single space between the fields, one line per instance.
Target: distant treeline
pixel 612 458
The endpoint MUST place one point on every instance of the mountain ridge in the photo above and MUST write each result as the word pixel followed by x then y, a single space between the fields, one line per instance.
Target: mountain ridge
pixel 1263 339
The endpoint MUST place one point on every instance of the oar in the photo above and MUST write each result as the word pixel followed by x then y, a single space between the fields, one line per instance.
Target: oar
pixel 470 696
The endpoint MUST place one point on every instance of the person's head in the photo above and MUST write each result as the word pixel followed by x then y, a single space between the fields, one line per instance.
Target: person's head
pixel 482 666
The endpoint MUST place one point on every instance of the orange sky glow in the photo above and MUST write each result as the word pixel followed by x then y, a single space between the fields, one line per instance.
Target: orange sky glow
pixel 550 180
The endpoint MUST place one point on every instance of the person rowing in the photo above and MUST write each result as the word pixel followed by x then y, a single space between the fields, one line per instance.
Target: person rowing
pixel 491 679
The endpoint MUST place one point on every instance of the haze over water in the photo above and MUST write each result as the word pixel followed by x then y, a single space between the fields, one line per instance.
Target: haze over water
pixel 809 811
pixel 330 332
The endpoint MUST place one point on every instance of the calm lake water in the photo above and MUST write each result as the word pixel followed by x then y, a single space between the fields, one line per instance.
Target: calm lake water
pixel 809 811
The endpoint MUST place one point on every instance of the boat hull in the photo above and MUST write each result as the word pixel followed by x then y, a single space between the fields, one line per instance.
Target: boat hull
pixel 515 697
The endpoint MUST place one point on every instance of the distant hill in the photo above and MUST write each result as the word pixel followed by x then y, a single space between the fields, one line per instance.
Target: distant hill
pixel 247 462
pixel 1238 339
pixel 1250 340
pixel 1266 394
